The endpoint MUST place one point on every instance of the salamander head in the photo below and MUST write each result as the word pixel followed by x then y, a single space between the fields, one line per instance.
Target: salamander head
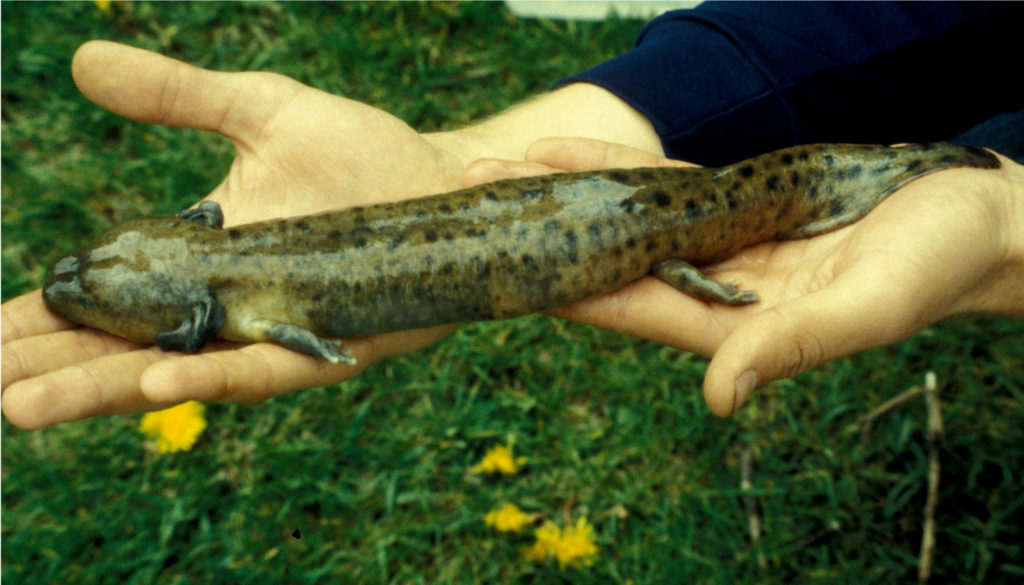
pixel 136 281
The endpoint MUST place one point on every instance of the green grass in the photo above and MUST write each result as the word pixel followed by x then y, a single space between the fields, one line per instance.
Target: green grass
pixel 374 473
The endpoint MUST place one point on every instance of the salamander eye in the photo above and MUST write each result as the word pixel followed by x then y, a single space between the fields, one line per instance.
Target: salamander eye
pixel 87 303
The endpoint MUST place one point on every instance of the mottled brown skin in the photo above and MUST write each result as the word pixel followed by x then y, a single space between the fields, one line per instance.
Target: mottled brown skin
pixel 489 252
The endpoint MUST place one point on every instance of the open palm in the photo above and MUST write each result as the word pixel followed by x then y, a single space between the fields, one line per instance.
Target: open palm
pixel 934 248
pixel 299 151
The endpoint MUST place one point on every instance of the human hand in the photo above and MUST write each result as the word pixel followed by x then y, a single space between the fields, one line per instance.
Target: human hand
pixel 946 243
pixel 299 151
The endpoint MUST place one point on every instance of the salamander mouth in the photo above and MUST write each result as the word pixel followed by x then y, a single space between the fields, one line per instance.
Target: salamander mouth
pixel 64 292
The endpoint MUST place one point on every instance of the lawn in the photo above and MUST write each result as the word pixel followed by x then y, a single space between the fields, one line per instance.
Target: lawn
pixel 372 481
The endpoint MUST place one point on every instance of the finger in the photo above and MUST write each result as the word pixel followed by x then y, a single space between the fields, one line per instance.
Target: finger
pixel 108 385
pixel 653 310
pixel 27 316
pixel 487 170
pixel 262 370
pixel 246 375
pixel 41 354
pixel 148 87
pixel 588 154
pixel 793 337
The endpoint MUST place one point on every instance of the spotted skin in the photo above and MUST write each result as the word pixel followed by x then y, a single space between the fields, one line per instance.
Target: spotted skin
pixel 493 251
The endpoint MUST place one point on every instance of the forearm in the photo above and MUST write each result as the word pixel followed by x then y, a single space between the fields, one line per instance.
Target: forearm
pixel 576 110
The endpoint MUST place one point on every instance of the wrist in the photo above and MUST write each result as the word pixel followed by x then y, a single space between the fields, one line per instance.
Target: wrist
pixel 1002 291
pixel 576 110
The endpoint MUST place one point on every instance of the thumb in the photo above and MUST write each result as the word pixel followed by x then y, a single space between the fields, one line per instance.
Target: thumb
pixel 487 170
pixel 148 87
pixel 798 335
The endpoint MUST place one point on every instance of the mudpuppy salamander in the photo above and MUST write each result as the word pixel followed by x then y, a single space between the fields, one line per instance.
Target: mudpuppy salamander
pixel 488 252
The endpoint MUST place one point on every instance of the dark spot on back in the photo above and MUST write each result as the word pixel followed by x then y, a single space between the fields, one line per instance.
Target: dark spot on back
pixel 771 182
pixel 303 227
pixel 396 241
pixel 851 172
pixel 662 199
pixel 746 171
pixel 572 243
pixel 794 178
pixel 627 205
pixel 692 209
pixel 334 234
pixel 234 234
pixel 491 195
pixel 361 242
pixel 551 225
pixel 912 165
pixel 430 235
pixel 444 208
pixel 787 159
pixel 828 160
pixel 836 207
pixel 619 176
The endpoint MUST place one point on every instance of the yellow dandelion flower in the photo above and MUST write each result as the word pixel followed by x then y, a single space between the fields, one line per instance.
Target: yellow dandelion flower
pixel 547 536
pixel 570 547
pixel 174 429
pixel 103 5
pixel 576 545
pixel 508 518
pixel 499 460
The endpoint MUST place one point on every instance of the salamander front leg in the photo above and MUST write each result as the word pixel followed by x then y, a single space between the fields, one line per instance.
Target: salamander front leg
pixel 207 213
pixel 685 277
pixel 203 323
pixel 305 341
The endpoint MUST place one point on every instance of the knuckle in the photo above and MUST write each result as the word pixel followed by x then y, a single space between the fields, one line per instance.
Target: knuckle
pixel 803 349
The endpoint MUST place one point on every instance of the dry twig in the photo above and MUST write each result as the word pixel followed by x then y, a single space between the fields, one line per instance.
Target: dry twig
pixel 753 518
pixel 886 407
pixel 924 569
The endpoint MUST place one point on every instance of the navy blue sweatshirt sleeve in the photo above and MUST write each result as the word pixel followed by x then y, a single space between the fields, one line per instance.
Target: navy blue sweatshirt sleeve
pixel 727 80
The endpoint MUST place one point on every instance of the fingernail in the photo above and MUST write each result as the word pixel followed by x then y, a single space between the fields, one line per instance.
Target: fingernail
pixel 745 386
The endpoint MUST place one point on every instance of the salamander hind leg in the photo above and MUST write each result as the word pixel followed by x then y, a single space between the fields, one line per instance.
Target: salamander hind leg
pixel 685 277
pixel 305 341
